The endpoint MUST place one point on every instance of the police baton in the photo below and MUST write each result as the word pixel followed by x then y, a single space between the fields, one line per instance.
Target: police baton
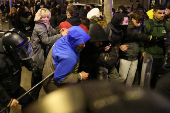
pixel 30 90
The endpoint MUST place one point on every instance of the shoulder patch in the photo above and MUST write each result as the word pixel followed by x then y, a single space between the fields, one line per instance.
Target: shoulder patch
pixel 163 31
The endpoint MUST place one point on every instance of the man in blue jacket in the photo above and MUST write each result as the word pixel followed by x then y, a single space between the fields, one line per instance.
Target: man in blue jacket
pixel 63 60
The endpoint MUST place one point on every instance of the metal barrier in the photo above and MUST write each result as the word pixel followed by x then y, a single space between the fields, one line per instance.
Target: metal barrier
pixel 0 20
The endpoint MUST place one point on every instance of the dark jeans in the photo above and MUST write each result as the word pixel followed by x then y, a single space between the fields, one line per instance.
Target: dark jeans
pixel 157 71
pixel 36 78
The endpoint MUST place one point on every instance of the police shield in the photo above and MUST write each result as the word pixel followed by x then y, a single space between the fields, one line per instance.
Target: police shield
pixel 146 71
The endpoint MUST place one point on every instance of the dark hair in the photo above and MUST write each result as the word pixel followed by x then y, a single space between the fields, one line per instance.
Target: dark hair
pixel 85 21
pixel 22 12
pixel 158 7
pixel 73 10
pixel 137 15
pixel 92 5
pixel 42 3
pixel 54 11
pixel 122 7
pixel 66 3
pixel 167 17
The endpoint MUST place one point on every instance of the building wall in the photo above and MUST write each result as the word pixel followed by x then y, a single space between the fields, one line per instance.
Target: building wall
pixel 88 1
pixel 126 3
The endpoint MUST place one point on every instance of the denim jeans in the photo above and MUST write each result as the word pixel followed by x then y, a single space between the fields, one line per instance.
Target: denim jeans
pixel 127 70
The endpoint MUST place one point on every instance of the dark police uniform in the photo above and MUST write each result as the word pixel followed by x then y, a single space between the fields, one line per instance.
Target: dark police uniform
pixel 14 47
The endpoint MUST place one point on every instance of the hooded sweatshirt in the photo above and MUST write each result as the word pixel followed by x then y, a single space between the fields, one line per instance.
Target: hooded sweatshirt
pixel 64 52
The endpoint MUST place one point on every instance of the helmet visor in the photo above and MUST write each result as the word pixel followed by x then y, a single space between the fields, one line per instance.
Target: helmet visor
pixel 24 52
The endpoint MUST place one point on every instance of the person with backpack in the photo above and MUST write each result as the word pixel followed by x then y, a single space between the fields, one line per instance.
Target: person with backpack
pixel 158 28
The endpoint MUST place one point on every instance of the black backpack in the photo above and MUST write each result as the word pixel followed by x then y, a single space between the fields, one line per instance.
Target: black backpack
pixel 152 25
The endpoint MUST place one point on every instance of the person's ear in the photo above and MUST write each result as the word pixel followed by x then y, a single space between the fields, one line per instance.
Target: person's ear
pixel 68 14
pixel 154 13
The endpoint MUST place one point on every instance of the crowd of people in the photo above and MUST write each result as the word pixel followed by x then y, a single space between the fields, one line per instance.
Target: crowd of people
pixel 77 46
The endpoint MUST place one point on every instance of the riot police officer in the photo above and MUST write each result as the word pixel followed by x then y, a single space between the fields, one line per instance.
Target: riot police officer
pixel 14 48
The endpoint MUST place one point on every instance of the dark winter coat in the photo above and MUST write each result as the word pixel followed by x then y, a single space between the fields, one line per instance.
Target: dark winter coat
pixel 132 38
pixel 109 59
pixel 90 54
pixel 82 12
pixel 61 18
pixel 12 19
pixel 10 79
pixel 56 20
pixel 53 21
pixel 10 73
pixel 39 40
pixel 23 23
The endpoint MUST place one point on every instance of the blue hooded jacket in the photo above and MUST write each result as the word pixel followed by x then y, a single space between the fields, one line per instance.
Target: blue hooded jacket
pixel 64 52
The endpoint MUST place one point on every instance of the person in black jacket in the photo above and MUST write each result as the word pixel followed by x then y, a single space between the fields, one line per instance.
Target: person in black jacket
pixel 115 31
pixel 92 50
pixel 130 48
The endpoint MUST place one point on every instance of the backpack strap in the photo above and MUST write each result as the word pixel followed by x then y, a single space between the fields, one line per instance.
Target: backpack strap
pixel 165 26
pixel 151 25
pixel 110 34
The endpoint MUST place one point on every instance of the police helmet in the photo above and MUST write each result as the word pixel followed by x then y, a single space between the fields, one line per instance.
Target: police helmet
pixel 18 44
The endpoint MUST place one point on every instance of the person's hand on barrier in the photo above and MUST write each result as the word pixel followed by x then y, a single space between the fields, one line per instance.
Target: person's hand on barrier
pixel 64 31
pixel 84 75
pixel 124 47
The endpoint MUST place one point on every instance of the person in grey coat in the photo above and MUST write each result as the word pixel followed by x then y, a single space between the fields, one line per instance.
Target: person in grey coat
pixel 43 36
